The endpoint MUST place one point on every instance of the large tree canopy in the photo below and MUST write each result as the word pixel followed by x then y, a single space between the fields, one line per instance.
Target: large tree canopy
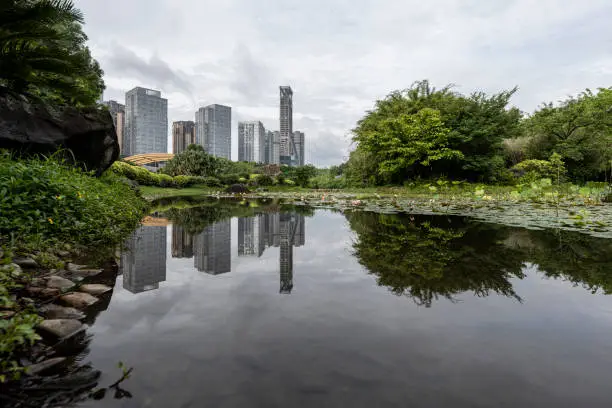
pixel 428 132
pixel 43 52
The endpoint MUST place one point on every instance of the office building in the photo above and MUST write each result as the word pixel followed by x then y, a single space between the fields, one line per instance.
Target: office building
pixel 146 122
pixel 286 124
pixel 182 242
pixel 183 135
pixel 117 111
pixel 286 253
pixel 251 142
pixel 144 263
pixel 212 249
pixel 214 130
pixel 272 147
pixel 297 153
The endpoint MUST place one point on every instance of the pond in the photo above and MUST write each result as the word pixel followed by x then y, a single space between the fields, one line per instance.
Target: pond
pixel 255 305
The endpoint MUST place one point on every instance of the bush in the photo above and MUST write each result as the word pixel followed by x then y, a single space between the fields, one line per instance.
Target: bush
pixel 44 202
pixel 265 180
pixel 229 179
pixel 164 180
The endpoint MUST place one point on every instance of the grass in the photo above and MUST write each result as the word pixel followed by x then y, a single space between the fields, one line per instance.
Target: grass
pixel 153 192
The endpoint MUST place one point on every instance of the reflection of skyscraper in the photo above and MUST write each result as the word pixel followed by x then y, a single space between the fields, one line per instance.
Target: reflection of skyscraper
pixel 250 236
pixel 213 249
pixel 144 264
pixel 286 254
pixel 182 242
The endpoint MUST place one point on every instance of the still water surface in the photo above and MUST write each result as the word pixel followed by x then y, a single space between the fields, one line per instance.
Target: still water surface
pixel 357 310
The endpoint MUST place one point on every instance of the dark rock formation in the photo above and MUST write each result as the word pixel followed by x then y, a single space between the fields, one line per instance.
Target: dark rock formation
pixel 237 189
pixel 28 127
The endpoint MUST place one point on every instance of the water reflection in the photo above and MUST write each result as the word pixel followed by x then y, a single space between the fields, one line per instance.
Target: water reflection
pixel 143 264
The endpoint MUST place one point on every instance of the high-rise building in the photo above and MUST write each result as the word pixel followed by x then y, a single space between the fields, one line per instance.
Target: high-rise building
pixel 117 111
pixel 286 253
pixel 272 147
pixel 182 242
pixel 146 122
pixel 212 249
pixel 286 123
pixel 214 130
pixel 297 148
pixel 144 263
pixel 183 135
pixel 251 142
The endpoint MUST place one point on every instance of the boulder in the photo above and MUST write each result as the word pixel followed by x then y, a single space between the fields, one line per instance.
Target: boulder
pixel 58 282
pixel 61 328
pixel 53 311
pixel 79 300
pixel 95 289
pixel 42 367
pixel 32 127
pixel 237 189
pixel 26 263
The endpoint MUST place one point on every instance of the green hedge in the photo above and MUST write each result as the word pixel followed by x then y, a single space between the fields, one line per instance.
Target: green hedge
pixel 145 177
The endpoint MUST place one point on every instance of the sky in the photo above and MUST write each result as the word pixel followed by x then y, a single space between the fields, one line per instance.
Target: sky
pixel 340 56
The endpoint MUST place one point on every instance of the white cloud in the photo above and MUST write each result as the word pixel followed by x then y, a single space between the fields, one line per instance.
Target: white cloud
pixel 339 56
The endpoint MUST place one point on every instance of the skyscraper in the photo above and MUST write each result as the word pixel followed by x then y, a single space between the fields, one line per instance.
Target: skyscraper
pixel 117 112
pixel 214 130
pixel 144 263
pixel 298 148
pixel 251 142
pixel 272 147
pixel 183 134
pixel 146 122
pixel 182 242
pixel 250 236
pixel 286 123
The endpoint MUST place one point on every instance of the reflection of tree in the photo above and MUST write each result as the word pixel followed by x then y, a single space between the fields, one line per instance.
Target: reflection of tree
pixel 581 259
pixel 431 257
pixel 427 257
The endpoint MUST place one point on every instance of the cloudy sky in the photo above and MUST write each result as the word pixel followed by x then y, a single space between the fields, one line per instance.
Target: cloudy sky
pixel 339 56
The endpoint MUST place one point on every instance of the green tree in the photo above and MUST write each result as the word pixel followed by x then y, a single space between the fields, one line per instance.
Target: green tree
pixel 477 126
pixel 408 144
pixel 579 129
pixel 43 52
pixel 194 161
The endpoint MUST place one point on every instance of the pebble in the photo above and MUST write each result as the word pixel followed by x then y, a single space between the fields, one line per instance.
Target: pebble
pixel 95 288
pixel 61 328
pixel 79 300
pixel 26 263
pixel 39 368
pixel 53 311
pixel 59 283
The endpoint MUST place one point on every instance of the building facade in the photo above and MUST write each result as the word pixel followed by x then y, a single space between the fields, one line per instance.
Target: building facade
pixel 212 249
pixel 146 122
pixel 286 124
pixel 251 142
pixel 117 111
pixel 214 130
pixel 297 147
pixel 272 147
pixel 183 135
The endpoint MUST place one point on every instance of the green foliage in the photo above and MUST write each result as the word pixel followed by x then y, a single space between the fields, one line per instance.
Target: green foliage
pixel 265 180
pixel 531 170
pixel 44 202
pixel 579 129
pixel 145 177
pixel 404 137
pixel 43 52
pixel 302 174
pixel 194 161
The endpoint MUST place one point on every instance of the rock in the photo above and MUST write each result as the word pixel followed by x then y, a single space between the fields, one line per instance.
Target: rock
pixel 79 300
pixel 237 188
pixel 13 268
pixel 58 282
pixel 53 311
pixel 83 273
pixel 30 127
pixel 95 289
pixel 63 253
pixel 25 263
pixel 40 368
pixel 61 328
pixel 74 267
pixel 50 292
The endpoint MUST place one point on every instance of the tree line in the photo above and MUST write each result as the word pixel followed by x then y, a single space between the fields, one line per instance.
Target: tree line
pixel 423 133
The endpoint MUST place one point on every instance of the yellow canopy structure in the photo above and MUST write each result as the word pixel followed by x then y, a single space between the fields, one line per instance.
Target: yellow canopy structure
pixel 147 158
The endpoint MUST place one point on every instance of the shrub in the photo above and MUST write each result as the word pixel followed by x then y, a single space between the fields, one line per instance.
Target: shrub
pixel 265 180
pixel 43 202
pixel 164 180
pixel 289 182
pixel 229 179
pixel 183 181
